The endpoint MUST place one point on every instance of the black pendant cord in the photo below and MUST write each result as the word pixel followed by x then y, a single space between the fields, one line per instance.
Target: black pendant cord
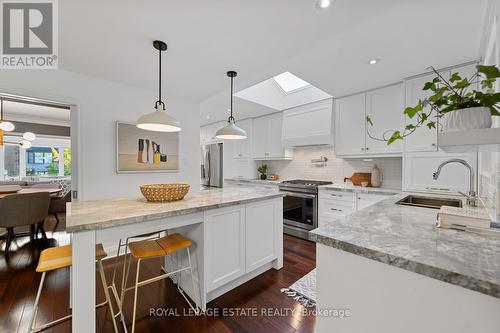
pixel 159 101
pixel 231 118
pixel 1 109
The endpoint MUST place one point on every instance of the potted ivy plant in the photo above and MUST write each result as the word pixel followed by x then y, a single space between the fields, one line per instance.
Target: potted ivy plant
pixel 453 105
pixel 262 170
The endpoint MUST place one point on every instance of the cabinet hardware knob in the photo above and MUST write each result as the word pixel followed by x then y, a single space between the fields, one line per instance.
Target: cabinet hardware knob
pixel 367 148
pixel 362 149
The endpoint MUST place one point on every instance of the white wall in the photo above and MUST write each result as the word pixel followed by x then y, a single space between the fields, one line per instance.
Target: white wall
pixel 101 103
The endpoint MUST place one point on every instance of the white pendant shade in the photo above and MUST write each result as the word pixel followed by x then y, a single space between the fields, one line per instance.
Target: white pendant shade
pixel 29 136
pixel 231 132
pixel 6 126
pixel 158 121
pixel 25 144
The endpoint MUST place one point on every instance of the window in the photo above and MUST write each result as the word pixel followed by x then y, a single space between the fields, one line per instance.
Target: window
pixel 42 161
pixel 290 83
pixel 11 161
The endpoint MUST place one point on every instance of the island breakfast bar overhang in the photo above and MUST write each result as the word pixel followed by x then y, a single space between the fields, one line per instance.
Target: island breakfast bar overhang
pixel 237 235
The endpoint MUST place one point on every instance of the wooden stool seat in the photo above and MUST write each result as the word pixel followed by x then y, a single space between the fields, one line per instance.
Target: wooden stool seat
pixel 159 247
pixel 60 257
pixel 145 249
pixel 173 243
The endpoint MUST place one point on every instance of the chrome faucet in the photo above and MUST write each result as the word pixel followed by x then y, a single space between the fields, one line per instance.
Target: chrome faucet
pixel 471 196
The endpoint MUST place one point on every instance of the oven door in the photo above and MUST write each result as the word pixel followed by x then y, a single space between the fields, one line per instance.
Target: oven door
pixel 300 210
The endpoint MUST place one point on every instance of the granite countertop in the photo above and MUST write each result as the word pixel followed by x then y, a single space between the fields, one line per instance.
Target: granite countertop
pixel 359 189
pixel 406 237
pixel 255 181
pixel 101 214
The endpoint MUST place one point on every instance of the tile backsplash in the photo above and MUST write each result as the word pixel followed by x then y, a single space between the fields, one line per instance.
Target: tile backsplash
pixel 335 169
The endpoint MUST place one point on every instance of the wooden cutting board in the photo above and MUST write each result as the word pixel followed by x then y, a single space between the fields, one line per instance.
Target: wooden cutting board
pixel 358 177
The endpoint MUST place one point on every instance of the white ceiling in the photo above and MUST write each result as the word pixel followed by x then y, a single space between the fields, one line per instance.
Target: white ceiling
pixel 36 114
pixel 261 38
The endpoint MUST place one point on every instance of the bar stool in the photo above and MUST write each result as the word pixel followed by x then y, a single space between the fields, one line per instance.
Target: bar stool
pixel 59 257
pixel 161 247
pixel 151 235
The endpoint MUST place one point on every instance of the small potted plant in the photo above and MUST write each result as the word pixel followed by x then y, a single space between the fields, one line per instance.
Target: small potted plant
pixel 262 170
pixel 453 105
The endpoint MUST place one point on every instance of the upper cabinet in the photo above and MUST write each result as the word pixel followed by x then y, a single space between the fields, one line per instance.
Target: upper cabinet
pixel 242 148
pixel 384 106
pixel 424 139
pixel 310 124
pixel 350 125
pixel 207 132
pixel 267 144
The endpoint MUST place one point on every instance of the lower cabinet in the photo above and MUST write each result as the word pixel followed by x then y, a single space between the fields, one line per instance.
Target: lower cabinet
pixel 260 234
pixel 225 245
pixel 240 239
pixel 336 204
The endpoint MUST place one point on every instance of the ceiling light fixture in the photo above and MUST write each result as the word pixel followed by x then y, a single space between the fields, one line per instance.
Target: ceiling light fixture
pixel 373 61
pixel 324 3
pixel 29 136
pixel 25 144
pixel 231 131
pixel 6 126
pixel 159 120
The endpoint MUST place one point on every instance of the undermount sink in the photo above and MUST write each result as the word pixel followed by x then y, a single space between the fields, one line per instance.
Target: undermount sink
pixel 429 202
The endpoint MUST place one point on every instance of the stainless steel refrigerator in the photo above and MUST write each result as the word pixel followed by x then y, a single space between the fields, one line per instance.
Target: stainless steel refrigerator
pixel 211 165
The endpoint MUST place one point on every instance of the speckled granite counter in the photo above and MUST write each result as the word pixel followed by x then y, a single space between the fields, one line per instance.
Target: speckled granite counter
pixel 359 189
pixel 405 237
pixel 100 214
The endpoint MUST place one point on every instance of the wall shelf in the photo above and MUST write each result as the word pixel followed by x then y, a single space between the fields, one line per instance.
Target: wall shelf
pixel 487 139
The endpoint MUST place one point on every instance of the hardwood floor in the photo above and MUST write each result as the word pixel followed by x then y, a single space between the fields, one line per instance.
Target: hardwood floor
pixel 19 283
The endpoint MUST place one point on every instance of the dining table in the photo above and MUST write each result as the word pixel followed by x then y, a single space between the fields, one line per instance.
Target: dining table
pixel 52 190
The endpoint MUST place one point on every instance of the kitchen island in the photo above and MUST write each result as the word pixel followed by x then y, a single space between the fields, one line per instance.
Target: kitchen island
pixel 396 272
pixel 236 233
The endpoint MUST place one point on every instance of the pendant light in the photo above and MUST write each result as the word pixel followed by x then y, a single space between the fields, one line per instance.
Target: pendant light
pixel 159 120
pixel 6 126
pixel 231 131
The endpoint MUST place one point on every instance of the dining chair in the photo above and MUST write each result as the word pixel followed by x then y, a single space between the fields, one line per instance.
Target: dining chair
pixel 58 205
pixel 27 209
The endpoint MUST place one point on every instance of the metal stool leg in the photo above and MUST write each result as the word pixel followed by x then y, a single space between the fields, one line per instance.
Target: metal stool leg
pixel 195 292
pixel 37 299
pixel 135 293
pixel 108 298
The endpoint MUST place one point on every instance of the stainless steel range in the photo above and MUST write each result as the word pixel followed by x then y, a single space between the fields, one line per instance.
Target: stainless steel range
pixel 300 206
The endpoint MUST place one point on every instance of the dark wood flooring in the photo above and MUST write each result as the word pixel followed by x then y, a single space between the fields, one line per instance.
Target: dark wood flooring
pixel 19 283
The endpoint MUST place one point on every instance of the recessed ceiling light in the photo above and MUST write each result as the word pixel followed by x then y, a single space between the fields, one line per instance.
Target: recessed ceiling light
pixel 207 117
pixel 374 61
pixel 324 3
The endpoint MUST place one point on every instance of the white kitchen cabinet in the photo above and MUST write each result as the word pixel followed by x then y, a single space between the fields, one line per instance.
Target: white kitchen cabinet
pixel 336 204
pixel 261 230
pixel 310 124
pixel 423 139
pixel 385 107
pixel 225 243
pixel 207 132
pixel 418 169
pixel 350 125
pixel 266 143
pixel 242 149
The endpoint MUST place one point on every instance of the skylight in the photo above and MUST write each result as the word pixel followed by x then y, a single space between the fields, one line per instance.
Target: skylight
pixel 290 83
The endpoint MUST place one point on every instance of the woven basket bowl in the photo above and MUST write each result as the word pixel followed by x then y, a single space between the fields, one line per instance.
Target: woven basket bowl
pixel 164 192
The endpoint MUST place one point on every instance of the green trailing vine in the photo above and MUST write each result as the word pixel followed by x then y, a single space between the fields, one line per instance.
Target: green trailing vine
pixel 448 95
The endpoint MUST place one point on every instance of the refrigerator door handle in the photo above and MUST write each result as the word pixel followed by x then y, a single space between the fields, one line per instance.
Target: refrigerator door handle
pixel 207 166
